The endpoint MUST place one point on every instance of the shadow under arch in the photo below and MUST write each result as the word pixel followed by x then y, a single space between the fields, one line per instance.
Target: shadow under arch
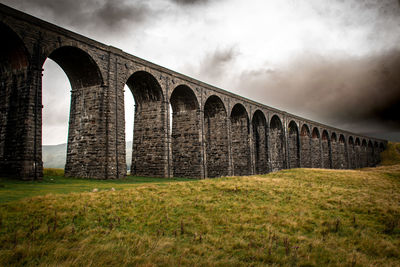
pixel 80 67
pixel 276 143
pixel 240 131
pixel 17 159
pixel 216 137
pixel 305 138
pixel 150 156
pixel 260 142
pixel 186 133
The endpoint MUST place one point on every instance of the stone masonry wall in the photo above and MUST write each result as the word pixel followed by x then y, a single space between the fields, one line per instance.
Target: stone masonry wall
pixel 216 139
pixel 186 144
pixel 276 146
pixel 326 161
pixel 335 154
pixel 341 156
pixel 293 148
pixel 315 153
pixel 305 151
pixel 148 142
pixel 260 145
pixel 240 142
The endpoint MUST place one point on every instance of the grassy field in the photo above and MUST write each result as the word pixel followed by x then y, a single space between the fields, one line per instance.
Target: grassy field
pixel 298 217
pixel 54 182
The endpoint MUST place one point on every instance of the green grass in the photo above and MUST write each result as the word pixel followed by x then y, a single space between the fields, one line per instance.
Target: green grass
pixel 298 217
pixel 55 183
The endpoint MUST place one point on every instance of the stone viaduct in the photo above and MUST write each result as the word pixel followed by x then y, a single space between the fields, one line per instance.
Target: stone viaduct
pixel 214 132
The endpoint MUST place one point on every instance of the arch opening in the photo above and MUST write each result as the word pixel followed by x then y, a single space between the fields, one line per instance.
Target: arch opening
pixel 85 111
pixel 240 130
pixel 149 147
pixel 293 145
pixel 276 144
pixel 216 137
pixel 260 140
pixel 56 97
pixel 185 134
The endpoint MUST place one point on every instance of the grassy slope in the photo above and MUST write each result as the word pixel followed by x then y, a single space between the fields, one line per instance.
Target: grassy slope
pixel 300 217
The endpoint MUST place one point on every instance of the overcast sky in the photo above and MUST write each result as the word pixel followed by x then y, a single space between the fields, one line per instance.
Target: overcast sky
pixel 336 62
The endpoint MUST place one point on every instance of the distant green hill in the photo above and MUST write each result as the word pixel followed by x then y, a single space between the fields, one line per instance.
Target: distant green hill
pixel 55 156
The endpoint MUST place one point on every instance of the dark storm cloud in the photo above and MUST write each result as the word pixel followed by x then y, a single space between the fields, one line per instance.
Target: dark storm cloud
pixel 92 14
pixel 340 90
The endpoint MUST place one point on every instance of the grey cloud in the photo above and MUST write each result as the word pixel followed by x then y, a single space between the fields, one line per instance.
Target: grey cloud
pixel 350 92
pixel 190 2
pixel 215 65
pixel 378 19
pixel 108 14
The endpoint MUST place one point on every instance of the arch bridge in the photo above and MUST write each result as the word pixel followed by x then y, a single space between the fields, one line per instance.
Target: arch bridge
pixel 214 132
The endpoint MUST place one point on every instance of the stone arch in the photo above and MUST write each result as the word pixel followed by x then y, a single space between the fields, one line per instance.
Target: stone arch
pixel 326 147
pixel 341 152
pixel 260 140
pixel 149 147
pixel 316 149
pixel 14 56
pixel 305 137
pixel 334 151
pixel 14 71
pixel 276 144
pixel 216 137
pixel 85 110
pixel 186 134
pixel 352 153
pixel 240 130
pixel 80 67
pixel 293 145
